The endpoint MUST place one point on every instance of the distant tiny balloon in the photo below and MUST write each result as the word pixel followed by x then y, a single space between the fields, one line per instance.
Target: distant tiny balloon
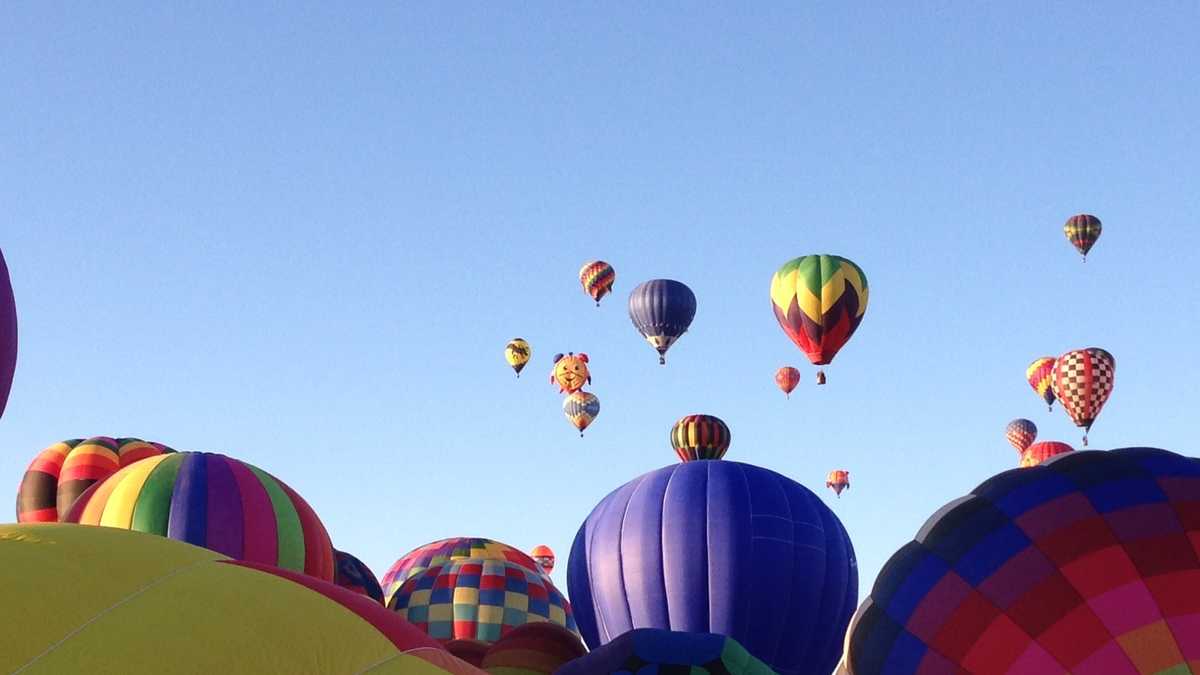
pixel 1020 432
pixel 597 278
pixel 838 480
pixel 544 557
pixel 517 352
pixel 787 378
pixel 1082 231
pixel 581 408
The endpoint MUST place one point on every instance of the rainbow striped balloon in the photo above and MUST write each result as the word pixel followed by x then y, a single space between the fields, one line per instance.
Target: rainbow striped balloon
pixel 213 501
pixel 62 472
pixel 700 437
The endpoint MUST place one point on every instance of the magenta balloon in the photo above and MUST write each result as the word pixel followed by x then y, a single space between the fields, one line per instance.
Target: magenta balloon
pixel 8 334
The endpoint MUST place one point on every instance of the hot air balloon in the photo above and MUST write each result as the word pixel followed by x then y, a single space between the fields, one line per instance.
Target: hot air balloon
pixel 1040 452
pixel 570 372
pixel 1082 231
pixel 517 352
pixel 1082 381
pixel 1038 374
pixel 8 334
pixel 696 437
pixel 62 472
pixel 454 548
pixel 1020 432
pixel 819 301
pixel 787 378
pixel 99 599
pixel 213 501
pixel 649 650
pixel 479 599
pixel 539 648
pixel 837 481
pixel 1086 564
pixel 662 310
pixel 581 408
pixel 544 557
pixel 718 547
pixel 597 278
pixel 353 574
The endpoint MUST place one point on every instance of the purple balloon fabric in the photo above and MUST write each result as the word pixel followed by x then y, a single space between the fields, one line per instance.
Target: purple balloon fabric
pixel 722 547
pixel 8 334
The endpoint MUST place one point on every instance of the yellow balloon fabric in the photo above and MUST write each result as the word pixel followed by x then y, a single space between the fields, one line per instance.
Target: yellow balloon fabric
pixel 78 598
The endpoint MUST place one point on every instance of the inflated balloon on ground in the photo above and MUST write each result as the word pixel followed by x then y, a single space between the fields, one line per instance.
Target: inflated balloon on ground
pixel 720 547
pixel 103 600
pixel 213 501
pixel 1039 452
pixel 1086 564
pixel 650 650
pixel 354 575
pixel 444 550
pixel 58 475
pixel 479 599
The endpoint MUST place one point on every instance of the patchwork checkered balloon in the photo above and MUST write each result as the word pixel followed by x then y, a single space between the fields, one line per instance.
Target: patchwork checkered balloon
pixel 1083 380
pixel 479 599
pixel 1086 564
pixel 1020 432
pixel 441 551
pixel 1039 376
pixel 1082 231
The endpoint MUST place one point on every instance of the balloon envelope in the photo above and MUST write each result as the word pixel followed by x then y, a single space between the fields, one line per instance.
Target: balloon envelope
pixel 103 600
pixel 1086 564
pixel 597 278
pixel 517 353
pixel 213 501
pixel 8 334
pixel 718 547
pixel 1039 452
pixel 819 301
pixel 662 310
pixel 651 650
pixel 838 480
pixel 581 408
pixel 1082 231
pixel 1020 433
pixel 544 557
pixel 700 437
pixel 353 574
pixel 1038 374
pixel 443 550
pixel 786 378
pixel 1083 380
pixel 479 599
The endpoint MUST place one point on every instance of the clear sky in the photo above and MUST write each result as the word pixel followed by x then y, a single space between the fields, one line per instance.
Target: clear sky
pixel 302 234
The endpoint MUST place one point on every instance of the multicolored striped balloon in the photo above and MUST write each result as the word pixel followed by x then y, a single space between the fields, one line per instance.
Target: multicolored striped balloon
pixel 838 480
pixel 1083 380
pixel 597 278
pixel 581 408
pixel 1039 452
pixel 213 501
pixel 696 437
pixel 787 378
pixel 479 599
pixel 1020 432
pixel 455 548
pixel 819 301
pixel 353 574
pixel 63 471
pixel 1039 377
pixel 1082 231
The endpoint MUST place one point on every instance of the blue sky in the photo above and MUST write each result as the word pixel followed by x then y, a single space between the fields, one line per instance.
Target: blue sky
pixel 302 235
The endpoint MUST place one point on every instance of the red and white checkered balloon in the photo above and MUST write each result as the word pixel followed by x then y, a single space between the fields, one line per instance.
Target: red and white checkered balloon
pixel 1082 381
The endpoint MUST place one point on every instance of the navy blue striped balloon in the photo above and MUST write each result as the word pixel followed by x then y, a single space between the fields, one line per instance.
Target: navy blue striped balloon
pixel 721 547
pixel 662 310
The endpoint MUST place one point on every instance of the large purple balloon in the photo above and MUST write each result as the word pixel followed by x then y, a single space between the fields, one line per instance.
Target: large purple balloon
pixel 8 334
pixel 718 547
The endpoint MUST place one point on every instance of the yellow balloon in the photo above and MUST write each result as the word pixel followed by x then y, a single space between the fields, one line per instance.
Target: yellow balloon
pixel 517 352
